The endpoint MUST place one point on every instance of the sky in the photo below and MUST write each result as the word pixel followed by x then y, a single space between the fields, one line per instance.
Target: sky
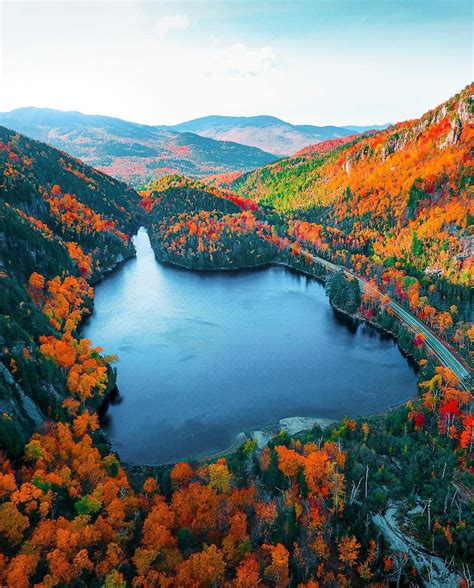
pixel 305 61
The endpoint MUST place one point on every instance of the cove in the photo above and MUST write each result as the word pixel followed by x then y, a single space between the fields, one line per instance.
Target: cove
pixel 206 355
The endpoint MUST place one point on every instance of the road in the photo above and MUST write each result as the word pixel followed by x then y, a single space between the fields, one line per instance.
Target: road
pixel 443 353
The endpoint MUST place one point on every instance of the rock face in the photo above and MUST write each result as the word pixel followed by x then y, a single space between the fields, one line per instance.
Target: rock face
pixel 261 437
pixel 295 425
pixel 31 409
pixel 290 425
pixel 432 571
pixel 20 414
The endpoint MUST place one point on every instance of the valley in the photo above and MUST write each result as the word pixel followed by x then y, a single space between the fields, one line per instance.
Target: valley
pixel 382 220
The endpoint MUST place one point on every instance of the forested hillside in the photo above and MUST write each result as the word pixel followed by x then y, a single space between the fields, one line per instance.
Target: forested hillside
pixel 130 151
pixel 62 225
pixel 202 227
pixel 395 206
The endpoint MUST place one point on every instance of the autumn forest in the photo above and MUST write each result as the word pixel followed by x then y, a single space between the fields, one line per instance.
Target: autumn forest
pixel 382 218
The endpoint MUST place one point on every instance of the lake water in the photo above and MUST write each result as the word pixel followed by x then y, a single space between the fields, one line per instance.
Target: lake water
pixel 204 356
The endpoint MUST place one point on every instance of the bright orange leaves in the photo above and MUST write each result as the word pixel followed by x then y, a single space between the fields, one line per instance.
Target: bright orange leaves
pixel 348 550
pixel 320 468
pixel 278 568
pixel 83 261
pixel 181 474
pixel 87 370
pixel 36 281
pixel 62 301
pixel 77 217
pixel 61 351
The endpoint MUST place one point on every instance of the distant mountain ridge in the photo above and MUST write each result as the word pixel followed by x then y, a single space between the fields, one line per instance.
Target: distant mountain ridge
pixel 266 132
pixel 364 128
pixel 131 151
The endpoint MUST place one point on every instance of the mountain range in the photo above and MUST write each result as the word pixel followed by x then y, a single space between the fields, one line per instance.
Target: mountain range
pixel 137 153
pixel 268 133
pixel 133 152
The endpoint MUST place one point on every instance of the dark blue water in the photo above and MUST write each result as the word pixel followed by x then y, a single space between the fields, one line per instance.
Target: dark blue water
pixel 204 356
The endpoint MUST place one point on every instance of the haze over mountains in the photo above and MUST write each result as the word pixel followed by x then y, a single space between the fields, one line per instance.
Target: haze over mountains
pixel 267 132
pixel 130 151
pixel 202 147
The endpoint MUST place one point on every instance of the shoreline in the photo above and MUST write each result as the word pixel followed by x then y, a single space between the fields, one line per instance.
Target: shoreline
pixel 264 434
pixel 293 425
pixel 321 279
pixel 243 268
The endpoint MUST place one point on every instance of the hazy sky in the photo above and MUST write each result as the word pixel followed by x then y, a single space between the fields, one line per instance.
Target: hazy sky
pixel 313 62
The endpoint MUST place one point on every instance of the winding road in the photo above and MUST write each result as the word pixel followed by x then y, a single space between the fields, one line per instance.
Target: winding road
pixel 440 349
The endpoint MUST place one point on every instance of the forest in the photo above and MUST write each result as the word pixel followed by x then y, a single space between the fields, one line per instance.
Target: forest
pixel 201 227
pixel 394 206
pixel 309 510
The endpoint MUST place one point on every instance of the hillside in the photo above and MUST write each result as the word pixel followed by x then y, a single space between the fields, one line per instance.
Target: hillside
pixel 62 226
pixel 202 227
pixel 395 207
pixel 265 132
pixel 129 151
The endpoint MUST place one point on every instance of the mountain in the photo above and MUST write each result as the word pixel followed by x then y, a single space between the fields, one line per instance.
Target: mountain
pixel 395 206
pixel 63 225
pixel 265 132
pixel 363 128
pixel 384 164
pixel 133 152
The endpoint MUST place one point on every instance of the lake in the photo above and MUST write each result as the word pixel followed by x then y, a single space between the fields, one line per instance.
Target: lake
pixel 206 355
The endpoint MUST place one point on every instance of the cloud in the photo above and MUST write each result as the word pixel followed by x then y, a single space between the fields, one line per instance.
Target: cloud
pixel 165 24
pixel 238 60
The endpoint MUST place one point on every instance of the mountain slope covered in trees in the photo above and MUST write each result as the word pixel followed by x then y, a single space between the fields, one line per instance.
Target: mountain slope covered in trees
pixel 202 227
pixel 133 152
pixel 63 225
pixel 395 206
